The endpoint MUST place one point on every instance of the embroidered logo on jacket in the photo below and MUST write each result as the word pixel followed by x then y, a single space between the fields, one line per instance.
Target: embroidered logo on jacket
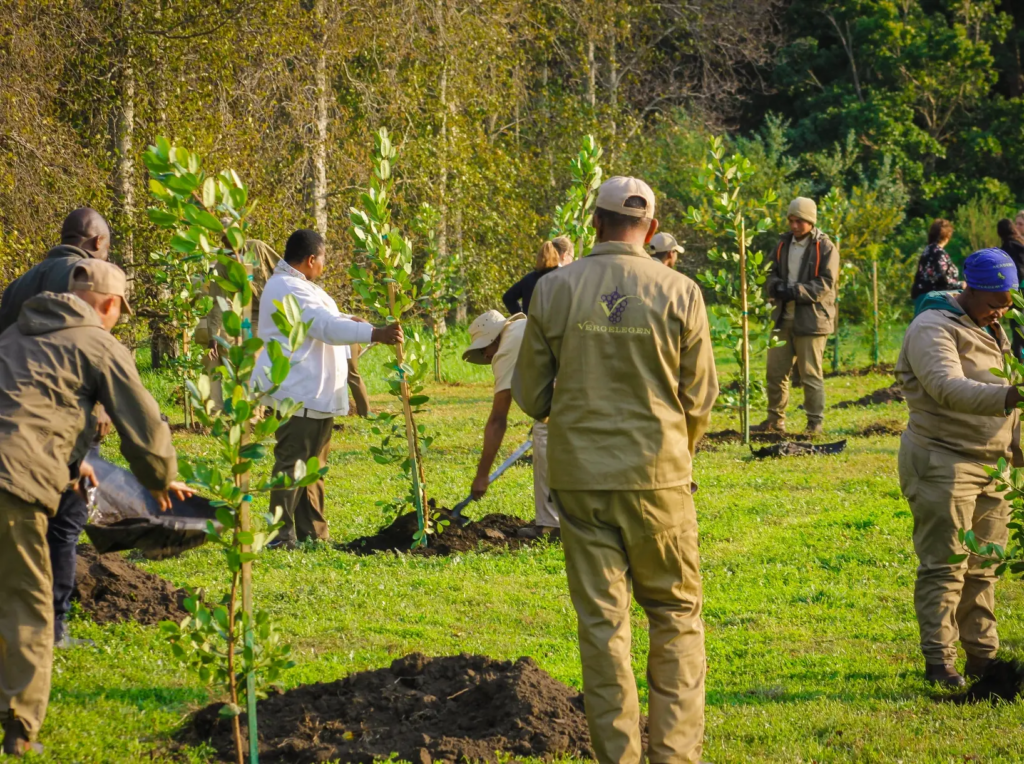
pixel 614 305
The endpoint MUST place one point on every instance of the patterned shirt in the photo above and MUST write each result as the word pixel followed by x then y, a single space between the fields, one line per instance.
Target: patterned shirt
pixel 935 272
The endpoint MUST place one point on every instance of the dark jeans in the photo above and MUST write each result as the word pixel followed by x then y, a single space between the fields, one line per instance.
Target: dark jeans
pixel 298 439
pixel 62 537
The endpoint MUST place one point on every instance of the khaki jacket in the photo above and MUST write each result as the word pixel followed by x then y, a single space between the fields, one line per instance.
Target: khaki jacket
pixel 815 311
pixel 628 340
pixel 956 404
pixel 53 274
pixel 55 364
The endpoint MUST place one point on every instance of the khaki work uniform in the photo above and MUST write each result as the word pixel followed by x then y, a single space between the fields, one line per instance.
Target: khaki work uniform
pixel 958 425
pixel 56 363
pixel 356 386
pixel 803 324
pixel 629 341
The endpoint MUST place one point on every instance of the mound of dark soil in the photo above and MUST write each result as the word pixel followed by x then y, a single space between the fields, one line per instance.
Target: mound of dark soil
pixel 493 531
pixel 891 394
pixel 712 440
pixel 460 708
pixel 882 368
pixel 1002 680
pixel 879 428
pixel 112 589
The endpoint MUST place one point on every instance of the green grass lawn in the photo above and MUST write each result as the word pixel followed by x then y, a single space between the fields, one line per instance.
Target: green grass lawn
pixel 808 578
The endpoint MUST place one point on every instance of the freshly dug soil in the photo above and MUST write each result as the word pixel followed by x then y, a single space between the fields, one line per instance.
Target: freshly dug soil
pixel 879 428
pixel 112 589
pixel 490 531
pixel 1002 680
pixel 891 394
pixel 712 440
pixel 882 368
pixel 459 708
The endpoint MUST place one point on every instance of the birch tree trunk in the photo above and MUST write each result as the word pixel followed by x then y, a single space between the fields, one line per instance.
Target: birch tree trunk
pixel 591 74
pixel 124 169
pixel 320 122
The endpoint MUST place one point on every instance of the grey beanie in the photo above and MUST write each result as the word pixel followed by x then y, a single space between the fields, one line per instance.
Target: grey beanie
pixel 805 209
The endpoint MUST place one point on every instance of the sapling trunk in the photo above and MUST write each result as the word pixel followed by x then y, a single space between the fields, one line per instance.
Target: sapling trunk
pixel 410 433
pixel 236 724
pixel 245 526
pixel 874 289
pixel 745 342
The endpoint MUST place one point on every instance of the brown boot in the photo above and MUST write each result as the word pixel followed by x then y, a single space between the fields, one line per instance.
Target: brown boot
pixel 814 430
pixel 771 426
pixel 16 742
pixel 944 674
pixel 534 532
pixel 976 666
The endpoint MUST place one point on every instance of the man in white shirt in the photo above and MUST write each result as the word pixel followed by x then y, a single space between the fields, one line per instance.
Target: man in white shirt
pixel 317 380
pixel 496 341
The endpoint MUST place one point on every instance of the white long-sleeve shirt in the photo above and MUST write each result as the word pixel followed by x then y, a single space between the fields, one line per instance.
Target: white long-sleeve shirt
pixel 319 371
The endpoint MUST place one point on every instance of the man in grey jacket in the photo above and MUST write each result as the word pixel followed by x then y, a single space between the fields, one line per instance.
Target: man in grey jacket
pixel 802 285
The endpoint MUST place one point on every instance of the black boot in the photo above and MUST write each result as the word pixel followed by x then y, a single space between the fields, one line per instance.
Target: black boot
pixel 16 742
pixel 944 674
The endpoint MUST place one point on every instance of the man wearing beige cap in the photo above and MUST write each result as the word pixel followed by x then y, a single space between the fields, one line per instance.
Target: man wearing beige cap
pixel 802 285
pixel 629 342
pixel 495 340
pixel 56 363
pixel 665 248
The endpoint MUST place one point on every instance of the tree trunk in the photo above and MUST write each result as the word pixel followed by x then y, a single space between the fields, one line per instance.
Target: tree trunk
pixel 591 74
pixel 124 171
pixel 613 80
pixel 320 119
pixel 442 225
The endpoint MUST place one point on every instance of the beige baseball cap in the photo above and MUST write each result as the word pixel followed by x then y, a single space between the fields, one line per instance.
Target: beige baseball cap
pixel 483 331
pixel 100 276
pixel 664 242
pixel 615 191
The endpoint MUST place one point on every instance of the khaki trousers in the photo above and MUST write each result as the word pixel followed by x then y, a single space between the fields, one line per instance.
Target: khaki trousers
pixel 947 492
pixel 543 502
pixel 297 440
pixel 808 352
pixel 26 613
pixel 647 541
pixel 356 387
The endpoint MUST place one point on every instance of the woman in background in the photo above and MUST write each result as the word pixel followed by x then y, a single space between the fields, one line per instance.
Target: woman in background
pixel 552 255
pixel 935 270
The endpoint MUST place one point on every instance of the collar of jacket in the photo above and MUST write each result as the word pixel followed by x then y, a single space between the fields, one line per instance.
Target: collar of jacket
pixel 814 235
pixel 66 250
pixel 284 269
pixel 619 248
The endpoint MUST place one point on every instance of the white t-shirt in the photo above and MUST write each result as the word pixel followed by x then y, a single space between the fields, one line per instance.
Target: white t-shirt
pixel 504 361
pixel 796 258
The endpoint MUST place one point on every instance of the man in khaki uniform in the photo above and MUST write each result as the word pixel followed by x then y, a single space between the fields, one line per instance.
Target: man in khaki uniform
pixel 802 284
pixel 56 363
pixel 962 419
pixel 629 342
pixel 665 248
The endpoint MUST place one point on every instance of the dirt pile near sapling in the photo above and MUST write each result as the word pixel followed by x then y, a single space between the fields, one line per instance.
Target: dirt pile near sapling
pixel 495 531
pixel 880 428
pixel 1002 680
pixel 882 368
pixel 712 440
pixel 111 589
pixel 891 394
pixel 459 708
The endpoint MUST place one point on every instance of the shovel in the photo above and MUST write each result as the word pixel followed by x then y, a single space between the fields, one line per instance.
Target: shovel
pixel 512 459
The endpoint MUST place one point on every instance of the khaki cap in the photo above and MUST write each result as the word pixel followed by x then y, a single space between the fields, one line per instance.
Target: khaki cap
pixel 102 277
pixel 664 242
pixel 615 191
pixel 483 331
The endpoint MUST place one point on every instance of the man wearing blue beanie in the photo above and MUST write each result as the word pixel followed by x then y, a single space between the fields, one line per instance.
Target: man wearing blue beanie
pixel 962 419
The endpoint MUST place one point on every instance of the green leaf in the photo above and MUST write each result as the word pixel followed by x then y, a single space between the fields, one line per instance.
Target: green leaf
pixel 236 238
pixel 232 323
pixel 956 559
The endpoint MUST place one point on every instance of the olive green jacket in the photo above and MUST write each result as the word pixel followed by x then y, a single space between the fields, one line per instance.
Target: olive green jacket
pixel 628 340
pixel 815 309
pixel 956 404
pixel 53 274
pixel 56 363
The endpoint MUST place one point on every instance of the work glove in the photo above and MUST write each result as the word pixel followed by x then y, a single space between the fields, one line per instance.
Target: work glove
pixel 787 293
